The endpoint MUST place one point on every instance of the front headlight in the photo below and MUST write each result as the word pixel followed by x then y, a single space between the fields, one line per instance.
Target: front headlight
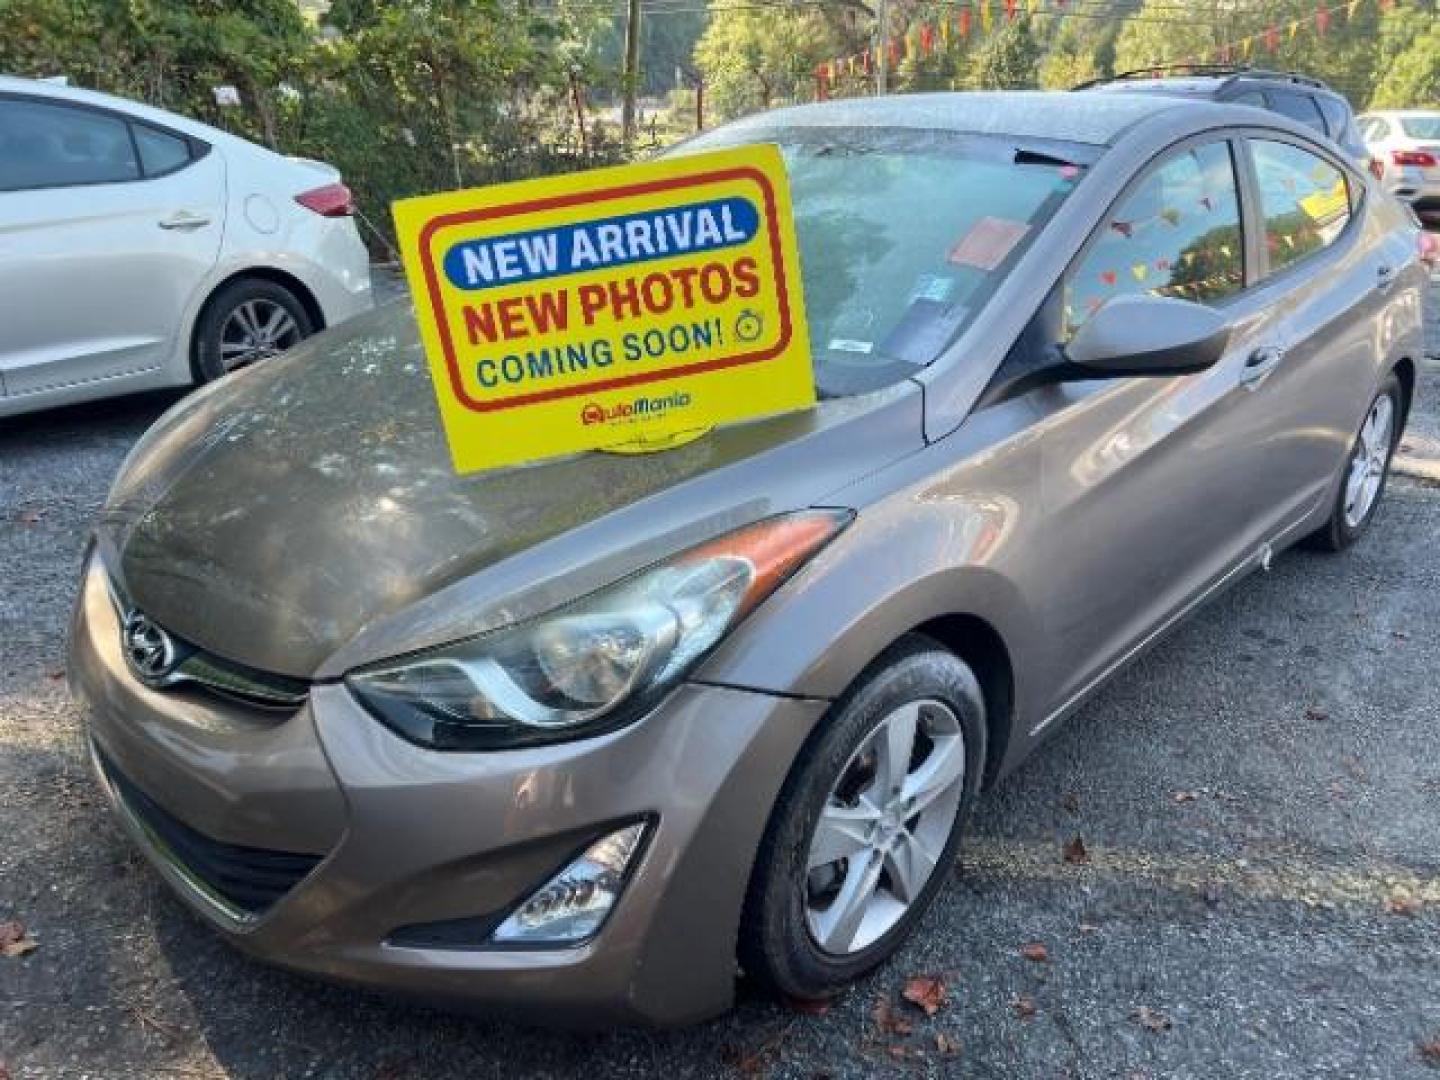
pixel 599 662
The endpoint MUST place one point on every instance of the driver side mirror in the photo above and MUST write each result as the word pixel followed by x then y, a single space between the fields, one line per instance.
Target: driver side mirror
pixel 1147 335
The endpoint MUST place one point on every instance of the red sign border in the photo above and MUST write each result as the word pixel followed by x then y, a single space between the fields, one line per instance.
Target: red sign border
pixel 489 213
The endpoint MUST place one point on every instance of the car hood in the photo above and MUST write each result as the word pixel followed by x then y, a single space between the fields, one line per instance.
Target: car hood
pixel 308 505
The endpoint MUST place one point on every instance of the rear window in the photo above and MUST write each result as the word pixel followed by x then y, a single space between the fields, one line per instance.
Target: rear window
pixel 904 236
pixel 1335 116
pixel 1298 107
pixel 1421 127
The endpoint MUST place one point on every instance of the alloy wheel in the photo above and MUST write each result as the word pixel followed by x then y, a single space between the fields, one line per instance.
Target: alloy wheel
pixel 884 826
pixel 255 330
pixel 1368 463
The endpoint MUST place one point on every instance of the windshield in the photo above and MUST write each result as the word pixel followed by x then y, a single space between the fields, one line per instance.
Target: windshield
pixel 904 235
pixel 1421 127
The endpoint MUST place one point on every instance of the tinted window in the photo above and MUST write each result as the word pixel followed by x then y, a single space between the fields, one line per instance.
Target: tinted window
pixel 1304 199
pixel 160 152
pixel 1421 127
pixel 1297 107
pixel 1334 116
pixel 1177 234
pixel 53 146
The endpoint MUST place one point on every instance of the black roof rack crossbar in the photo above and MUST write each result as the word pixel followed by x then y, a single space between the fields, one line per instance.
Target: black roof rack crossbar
pixel 1231 70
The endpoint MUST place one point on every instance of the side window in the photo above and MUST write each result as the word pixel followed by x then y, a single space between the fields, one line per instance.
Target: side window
pixel 1379 129
pixel 160 152
pixel 1298 107
pixel 1176 234
pixel 43 145
pixel 1304 200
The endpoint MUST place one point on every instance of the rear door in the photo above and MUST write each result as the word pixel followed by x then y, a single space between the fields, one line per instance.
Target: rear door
pixel 106 227
pixel 1327 282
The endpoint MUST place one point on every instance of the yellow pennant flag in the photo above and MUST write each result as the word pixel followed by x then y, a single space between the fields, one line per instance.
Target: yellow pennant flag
pixel 1351 9
pixel 1294 29
pixel 985 15
pixel 1139 270
pixel 1246 46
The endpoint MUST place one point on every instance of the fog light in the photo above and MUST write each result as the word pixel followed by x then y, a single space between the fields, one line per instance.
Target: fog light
pixel 572 905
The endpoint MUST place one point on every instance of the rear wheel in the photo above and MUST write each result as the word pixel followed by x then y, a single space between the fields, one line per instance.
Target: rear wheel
pixel 245 322
pixel 1366 470
pixel 867 825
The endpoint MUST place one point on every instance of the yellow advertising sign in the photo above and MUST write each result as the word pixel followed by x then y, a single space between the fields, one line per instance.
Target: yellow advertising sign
pixel 626 308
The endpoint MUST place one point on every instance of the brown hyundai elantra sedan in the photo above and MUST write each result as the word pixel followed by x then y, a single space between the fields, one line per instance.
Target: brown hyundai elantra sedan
pixel 582 737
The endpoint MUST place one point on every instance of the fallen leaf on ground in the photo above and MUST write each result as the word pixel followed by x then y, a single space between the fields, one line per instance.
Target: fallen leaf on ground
pixel 1401 902
pixel 808 1006
pixel 1185 796
pixel 14 941
pixel 1071 802
pixel 1314 714
pixel 926 992
pixel 946 1045
pixel 1024 1006
pixel 1399 635
pixel 889 1020
pixel 1151 1019
pixel 1430 1051
pixel 1074 851
pixel 1036 951
pixel 29 517
pixel 4 1072
pixel 1089 928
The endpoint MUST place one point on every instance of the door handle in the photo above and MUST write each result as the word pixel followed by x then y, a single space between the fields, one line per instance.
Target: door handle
pixel 1385 276
pixel 1259 364
pixel 184 221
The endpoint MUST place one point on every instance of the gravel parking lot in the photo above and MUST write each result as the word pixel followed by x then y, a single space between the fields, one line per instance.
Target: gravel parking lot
pixel 1258 896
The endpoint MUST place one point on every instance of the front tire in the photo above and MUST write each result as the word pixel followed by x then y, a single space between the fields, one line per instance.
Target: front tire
pixel 247 321
pixel 867 825
pixel 1366 470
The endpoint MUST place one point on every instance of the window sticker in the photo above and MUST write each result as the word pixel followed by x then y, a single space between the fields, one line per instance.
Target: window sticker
pixel 932 287
pixel 988 242
pixel 923 331
pixel 851 345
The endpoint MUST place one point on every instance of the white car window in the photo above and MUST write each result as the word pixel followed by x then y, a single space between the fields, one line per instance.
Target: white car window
pixel 160 152
pixel 44 145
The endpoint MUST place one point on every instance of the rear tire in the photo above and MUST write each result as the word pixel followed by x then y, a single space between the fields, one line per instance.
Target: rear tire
pixel 801 934
pixel 247 321
pixel 1366 470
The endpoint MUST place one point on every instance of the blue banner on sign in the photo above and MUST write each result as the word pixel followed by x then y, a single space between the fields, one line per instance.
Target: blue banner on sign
pixel 591 245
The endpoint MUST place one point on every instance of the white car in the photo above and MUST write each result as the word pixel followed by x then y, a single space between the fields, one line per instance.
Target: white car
pixel 1405 146
pixel 139 249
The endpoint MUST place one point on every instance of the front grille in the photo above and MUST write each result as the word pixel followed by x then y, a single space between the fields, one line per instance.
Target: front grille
pixel 250 879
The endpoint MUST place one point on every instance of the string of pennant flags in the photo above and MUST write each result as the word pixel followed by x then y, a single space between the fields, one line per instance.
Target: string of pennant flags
pixel 973 19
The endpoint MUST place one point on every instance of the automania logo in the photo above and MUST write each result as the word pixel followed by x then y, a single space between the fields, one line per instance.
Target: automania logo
pixel 595 413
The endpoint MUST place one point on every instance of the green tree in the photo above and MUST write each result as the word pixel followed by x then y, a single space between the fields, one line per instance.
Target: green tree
pixel 754 60
pixel 1008 58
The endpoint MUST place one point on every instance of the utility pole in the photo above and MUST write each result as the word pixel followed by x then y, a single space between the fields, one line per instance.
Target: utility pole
pixel 882 61
pixel 631 77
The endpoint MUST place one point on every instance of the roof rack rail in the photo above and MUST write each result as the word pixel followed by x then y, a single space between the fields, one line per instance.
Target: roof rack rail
pixel 1231 70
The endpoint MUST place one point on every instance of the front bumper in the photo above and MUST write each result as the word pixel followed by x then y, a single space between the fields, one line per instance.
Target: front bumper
pixel 400 836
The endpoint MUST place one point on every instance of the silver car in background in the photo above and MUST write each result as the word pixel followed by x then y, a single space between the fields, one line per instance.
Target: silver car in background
pixel 576 738
pixel 139 249
pixel 1405 145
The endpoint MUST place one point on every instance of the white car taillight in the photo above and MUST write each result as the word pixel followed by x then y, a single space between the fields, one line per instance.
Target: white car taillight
pixel 332 200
